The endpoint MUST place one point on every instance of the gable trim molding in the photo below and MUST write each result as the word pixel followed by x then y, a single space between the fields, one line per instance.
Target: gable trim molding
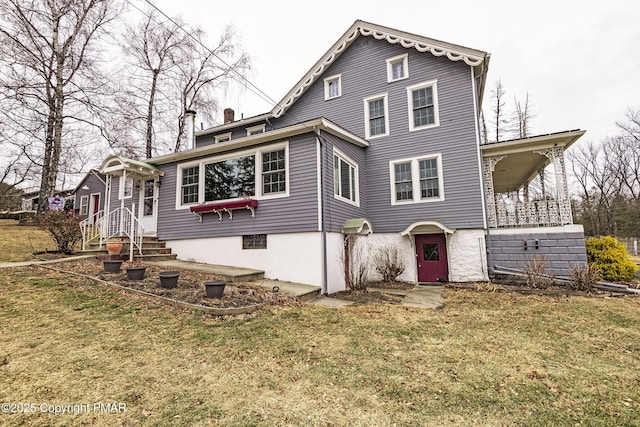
pixel 471 57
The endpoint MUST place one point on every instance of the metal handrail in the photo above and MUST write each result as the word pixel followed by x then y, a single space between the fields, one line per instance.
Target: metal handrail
pixel 120 222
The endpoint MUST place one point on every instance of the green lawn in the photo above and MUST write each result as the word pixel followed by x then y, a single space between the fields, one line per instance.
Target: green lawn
pixel 485 359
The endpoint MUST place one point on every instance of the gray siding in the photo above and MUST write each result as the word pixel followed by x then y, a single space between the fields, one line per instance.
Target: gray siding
pixel 296 213
pixel 95 186
pixel 337 211
pixel 561 250
pixel 363 70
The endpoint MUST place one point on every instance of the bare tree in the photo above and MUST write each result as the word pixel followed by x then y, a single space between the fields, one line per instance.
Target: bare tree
pixel 522 117
pixel 172 72
pixel 499 120
pixel 632 125
pixel 49 62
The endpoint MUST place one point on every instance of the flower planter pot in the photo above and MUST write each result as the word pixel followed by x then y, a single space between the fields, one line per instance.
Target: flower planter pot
pixel 136 273
pixel 114 248
pixel 214 289
pixel 111 266
pixel 169 279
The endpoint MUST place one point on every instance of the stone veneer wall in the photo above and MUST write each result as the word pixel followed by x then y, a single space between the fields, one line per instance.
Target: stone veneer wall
pixel 563 247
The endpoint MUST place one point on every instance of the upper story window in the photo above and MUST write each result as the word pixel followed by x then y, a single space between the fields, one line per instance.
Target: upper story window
pixel 345 178
pixel 333 87
pixel 260 173
pixel 416 180
pixel 223 137
pixel 126 188
pixel 398 68
pixel 376 114
pixel 254 130
pixel 423 105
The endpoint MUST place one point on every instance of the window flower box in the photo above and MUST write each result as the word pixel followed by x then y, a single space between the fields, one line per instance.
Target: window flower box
pixel 229 207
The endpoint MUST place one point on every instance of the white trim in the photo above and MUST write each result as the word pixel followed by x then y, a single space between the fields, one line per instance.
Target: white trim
pixel 367 100
pixel 224 136
pixel 327 81
pixel 404 59
pixel 356 172
pixel 409 230
pixel 481 185
pixel 436 114
pixel 257 152
pixel 415 180
pixel 251 130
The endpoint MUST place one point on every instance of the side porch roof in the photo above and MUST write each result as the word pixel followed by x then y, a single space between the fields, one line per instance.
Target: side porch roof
pixel 521 159
pixel 118 165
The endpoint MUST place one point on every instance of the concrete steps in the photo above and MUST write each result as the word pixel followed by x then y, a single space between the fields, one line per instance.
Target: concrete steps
pixel 152 250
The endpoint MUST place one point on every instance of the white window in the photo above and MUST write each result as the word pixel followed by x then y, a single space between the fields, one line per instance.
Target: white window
pixel 423 105
pixel 333 87
pixel 345 178
pixel 416 180
pixel 260 173
pixel 254 130
pixel 84 205
pixel 398 68
pixel 126 187
pixel 223 138
pixel 376 116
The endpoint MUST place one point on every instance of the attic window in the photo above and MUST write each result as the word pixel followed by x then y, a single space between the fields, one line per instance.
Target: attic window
pixel 223 137
pixel 398 68
pixel 254 130
pixel 333 87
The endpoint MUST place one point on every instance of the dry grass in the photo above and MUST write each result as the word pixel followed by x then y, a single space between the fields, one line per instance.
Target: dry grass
pixel 486 359
pixel 19 242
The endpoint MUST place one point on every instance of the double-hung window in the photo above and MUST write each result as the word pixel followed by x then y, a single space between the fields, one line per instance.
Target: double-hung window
pixel 84 205
pixel 376 112
pixel 397 68
pixel 274 172
pixel 345 178
pixel 189 186
pixel 423 105
pixel 416 180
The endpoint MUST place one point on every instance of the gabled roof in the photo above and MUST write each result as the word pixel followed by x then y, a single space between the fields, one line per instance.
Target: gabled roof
pixel 91 172
pixel 477 59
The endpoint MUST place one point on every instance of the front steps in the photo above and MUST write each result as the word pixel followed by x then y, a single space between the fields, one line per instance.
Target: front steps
pixel 152 250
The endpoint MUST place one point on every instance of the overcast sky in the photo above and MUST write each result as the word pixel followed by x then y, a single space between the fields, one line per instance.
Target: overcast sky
pixel 578 60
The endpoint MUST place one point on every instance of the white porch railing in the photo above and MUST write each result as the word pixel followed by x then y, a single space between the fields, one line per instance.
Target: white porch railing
pixel 539 213
pixel 120 222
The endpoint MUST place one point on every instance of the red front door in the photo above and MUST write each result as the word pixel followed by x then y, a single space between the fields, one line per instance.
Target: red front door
pixel 431 250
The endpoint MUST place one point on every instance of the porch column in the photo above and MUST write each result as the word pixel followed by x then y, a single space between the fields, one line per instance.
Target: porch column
pixel 556 155
pixel 488 166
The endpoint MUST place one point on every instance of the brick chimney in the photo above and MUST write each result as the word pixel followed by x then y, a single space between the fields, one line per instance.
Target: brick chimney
pixel 228 115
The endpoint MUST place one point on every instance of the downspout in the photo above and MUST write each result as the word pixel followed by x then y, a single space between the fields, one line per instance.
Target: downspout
pixel 323 228
pixel 481 166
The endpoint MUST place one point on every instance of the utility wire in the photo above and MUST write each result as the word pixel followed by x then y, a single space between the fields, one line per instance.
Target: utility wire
pixel 252 87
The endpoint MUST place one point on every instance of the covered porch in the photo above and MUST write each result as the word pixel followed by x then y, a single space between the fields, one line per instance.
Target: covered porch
pixel 510 167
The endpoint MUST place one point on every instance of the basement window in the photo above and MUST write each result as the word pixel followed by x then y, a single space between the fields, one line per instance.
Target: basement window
pixel 254 241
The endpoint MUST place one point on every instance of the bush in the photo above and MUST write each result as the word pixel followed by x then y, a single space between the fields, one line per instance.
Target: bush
pixel 583 278
pixel 610 258
pixel 536 274
pixel 63 227
pixel 353 260
pixel 389 262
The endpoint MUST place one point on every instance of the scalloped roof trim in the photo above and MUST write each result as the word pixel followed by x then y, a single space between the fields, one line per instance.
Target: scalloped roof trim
pixel 362 29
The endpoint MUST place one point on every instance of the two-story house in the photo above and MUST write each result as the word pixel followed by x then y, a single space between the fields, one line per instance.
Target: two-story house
pixel 380 140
